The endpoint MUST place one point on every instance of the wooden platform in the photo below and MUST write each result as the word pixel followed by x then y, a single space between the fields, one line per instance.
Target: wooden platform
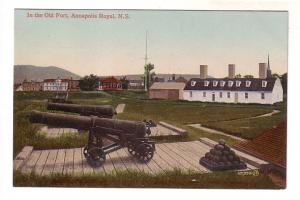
pixel 160 130
pixel 168 156
pixel 57 132
pixel 52 132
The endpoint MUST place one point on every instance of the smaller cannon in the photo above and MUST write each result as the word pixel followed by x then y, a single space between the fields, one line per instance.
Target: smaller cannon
pixel 123 133
pixel 103 111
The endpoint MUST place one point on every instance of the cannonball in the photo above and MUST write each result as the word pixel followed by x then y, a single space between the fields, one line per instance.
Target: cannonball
pixel 230 157
pixel 226 153
pixel 222 142
pixel 219 147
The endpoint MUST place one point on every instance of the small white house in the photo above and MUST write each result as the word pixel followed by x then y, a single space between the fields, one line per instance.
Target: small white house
pixel 236 90
pixel 55 85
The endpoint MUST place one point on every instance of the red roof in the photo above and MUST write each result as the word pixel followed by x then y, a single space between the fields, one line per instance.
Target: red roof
pixel 109 80
pixel 269 146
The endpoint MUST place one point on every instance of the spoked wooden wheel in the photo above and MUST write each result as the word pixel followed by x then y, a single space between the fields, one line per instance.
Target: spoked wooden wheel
pixel 95 156
pixel 144 152
pixel 131 149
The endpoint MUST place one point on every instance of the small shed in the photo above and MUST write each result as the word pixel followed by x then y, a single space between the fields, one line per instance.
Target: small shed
pixel 166 90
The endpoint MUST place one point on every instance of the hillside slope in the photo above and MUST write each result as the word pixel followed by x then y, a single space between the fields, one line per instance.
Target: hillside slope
pixel 37 73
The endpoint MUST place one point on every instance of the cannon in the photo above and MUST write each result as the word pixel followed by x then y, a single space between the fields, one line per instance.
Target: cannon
pixel 123 133
pixel 104 111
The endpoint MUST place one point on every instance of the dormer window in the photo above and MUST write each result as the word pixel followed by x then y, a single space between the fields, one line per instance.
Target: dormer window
pixel 222 83
pixel 248 83
pixel 215 83
pixel 206 83
pixel 264 83
pixel 238 83
pixel 193 83
pixel 230 83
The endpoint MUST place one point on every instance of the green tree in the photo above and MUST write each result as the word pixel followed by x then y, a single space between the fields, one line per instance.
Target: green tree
pixel 125 82
pixel 284 82
pixel 238 76
pixel 148 67
pixel 89 83
pixel 248 76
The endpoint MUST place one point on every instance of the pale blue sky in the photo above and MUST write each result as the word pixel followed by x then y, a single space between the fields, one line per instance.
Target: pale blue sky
pixel 179 41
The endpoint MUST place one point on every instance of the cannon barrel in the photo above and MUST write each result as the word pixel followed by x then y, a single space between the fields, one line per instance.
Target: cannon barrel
pixel 86 123
pixel 106 111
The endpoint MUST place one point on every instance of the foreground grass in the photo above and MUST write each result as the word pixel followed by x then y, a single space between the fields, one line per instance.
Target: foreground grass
pixel 170 179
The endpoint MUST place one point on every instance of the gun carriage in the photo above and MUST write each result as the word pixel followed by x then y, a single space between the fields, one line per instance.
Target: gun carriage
pixel 123 133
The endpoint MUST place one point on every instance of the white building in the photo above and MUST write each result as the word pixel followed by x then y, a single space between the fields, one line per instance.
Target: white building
pixel 55 85
pixel 236 90
pixel 262 90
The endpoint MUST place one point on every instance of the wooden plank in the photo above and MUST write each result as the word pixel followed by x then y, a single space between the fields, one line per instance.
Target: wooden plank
pixel 189 151
pixel 141 166
pixel 60 161
pixel 117 162
pixel 108 166
pixel 193 160
pixel 128 160
pixel 174 163
pixel 163 164
pixel 41 162
pixel 178 158
pixel 69 162
pixel 78 161
pixel 31 162
pixel 22 157
pixel 86 168
pixel 194 150
pixel 49 166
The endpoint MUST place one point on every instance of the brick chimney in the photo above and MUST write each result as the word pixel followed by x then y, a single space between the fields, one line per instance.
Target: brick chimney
pixel 231 70
pixel 203 71
pixel 262 70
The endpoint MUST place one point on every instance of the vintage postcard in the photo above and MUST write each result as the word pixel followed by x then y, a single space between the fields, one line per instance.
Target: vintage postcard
pixel 150 98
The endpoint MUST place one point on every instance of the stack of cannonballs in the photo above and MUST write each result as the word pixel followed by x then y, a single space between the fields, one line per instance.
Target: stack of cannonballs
pixel 221 157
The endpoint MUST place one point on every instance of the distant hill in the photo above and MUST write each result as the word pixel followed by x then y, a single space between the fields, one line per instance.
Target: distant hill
pixel 37 73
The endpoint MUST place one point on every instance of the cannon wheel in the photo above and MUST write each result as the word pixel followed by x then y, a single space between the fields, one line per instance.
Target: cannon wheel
pixel 131 149
pixel 95 156
pixel 144 152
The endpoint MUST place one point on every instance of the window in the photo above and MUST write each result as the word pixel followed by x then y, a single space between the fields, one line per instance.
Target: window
pixel 222 83
pixel 215 83
pixel 230 83
pixel 204 94
pixel 264 83
pixel 191 94
pixel 206 83
pixel 246 95
pixel 238 83
pixel 193 83
pixel 262 95
pixel 248 83
pixel 221 94
pixel 228 94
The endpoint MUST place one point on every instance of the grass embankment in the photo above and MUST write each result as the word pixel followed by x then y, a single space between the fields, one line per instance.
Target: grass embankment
pixel 170 179
pixel 138 107
pixel 251 128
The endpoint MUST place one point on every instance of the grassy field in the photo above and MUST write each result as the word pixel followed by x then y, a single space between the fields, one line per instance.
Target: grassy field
pixel 227 117
pixel 170 179
pixel 138 107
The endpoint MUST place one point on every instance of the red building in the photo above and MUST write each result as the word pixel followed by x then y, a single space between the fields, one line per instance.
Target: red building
pixel 110 83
